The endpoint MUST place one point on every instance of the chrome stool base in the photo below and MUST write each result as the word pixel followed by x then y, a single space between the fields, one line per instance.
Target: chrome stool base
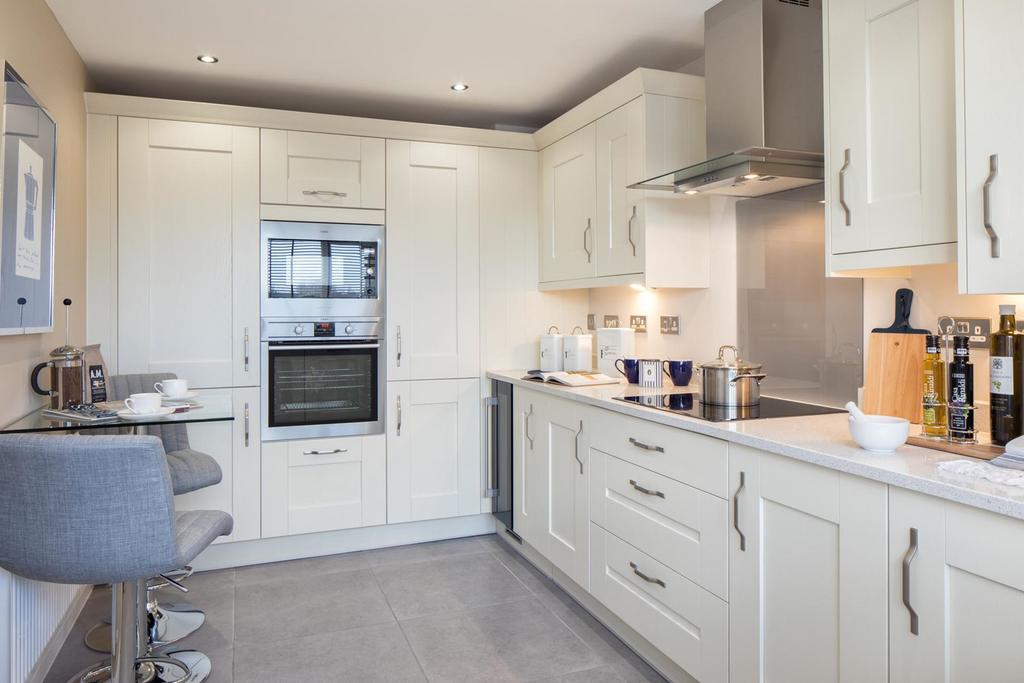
pixel 175 621
pixel 166 668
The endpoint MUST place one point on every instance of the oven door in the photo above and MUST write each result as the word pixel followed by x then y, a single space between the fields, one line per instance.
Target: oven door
pixel 318 389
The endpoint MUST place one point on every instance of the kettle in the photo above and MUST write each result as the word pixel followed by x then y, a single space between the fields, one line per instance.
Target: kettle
pixel 67 372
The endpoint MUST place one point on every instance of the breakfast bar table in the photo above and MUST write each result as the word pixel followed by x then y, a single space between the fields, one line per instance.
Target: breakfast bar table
pixel 213 408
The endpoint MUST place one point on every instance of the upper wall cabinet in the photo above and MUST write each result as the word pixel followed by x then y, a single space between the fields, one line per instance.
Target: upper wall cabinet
pixel 890 152
pixel 317 169
pixel 990 140
pixel 595 230
pixel 188 231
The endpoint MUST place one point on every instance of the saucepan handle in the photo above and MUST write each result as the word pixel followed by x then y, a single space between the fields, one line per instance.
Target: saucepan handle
pixel 737 378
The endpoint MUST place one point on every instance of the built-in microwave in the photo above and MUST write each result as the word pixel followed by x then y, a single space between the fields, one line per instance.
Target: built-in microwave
pixel 312 270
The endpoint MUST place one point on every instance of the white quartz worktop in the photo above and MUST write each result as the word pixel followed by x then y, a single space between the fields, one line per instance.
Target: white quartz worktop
pixel 818 439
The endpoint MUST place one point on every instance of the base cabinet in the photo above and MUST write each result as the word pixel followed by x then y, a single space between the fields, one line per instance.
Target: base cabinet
pixel 807 573
pixel 323 485
pixel 961 571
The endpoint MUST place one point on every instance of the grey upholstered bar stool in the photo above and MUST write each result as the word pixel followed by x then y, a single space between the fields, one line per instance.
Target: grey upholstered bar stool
pixel 99 509
pixel 191 470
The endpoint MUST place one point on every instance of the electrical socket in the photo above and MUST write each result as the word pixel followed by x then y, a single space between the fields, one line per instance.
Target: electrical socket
pixel 611 321
pixel 670 324
pixel 591 321
pixel 978 329
pixel 638 323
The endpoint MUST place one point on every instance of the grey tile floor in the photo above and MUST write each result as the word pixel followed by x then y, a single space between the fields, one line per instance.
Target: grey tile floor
pixel 463 610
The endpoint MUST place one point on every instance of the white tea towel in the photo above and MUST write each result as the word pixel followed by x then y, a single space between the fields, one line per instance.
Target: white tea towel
pixel 978 469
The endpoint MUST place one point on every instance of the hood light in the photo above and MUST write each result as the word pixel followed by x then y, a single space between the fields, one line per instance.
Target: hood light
pixel 691 192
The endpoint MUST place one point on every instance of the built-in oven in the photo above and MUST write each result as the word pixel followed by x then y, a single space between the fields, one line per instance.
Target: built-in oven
pixel 311 270
pixel 321 377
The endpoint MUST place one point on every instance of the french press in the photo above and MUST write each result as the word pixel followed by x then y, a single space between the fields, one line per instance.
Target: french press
pixel 67 371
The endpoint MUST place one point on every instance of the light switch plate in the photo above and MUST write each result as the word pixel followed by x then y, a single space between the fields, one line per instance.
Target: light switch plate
pixel 611 321
pixel 670 324
pixel 591 321
pixel 638 323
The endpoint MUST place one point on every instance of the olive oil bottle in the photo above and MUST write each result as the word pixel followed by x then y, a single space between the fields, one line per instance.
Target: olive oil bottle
pixel 961 392
pixel 934 398
pixel 1005 376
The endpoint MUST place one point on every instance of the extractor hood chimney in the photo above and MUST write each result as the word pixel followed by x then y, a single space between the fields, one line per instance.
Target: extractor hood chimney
pixel 763 82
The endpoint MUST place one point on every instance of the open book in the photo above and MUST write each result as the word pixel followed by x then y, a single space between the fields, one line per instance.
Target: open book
pixel 571 379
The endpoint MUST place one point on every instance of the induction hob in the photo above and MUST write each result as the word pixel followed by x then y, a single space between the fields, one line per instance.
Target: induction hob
pixel 691 406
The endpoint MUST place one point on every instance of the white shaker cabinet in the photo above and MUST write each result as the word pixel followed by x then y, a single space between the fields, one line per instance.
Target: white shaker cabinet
pixel 433 449
pixel 318 169
pixel 990 139
pixel 961 571
pixel 807 572
pixel 188 233
pixel 235 445
pixel 890 147
pixel 568 210
pixel 433 262
pixel 313 485
pixel 528 472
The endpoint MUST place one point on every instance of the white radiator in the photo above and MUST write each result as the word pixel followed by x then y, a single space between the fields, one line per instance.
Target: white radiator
pixel 37 612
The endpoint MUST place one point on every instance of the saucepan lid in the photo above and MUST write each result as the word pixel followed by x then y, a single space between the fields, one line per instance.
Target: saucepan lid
pixel 741 366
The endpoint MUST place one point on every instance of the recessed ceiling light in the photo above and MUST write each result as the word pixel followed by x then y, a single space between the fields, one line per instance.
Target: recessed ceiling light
pixel 459 86
pixel 207 59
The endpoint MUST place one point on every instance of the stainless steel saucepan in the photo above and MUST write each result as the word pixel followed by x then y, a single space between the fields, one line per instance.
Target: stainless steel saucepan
pixel 734 383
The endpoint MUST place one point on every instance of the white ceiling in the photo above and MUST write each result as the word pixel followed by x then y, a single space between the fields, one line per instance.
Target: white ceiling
pixel 526 61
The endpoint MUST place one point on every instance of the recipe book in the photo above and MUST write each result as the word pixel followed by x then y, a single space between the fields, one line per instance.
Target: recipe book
pixel 571 379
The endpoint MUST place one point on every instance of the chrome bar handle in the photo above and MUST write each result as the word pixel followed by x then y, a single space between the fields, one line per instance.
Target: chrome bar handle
pixel 330 452
pixel 491 404
pixel 586 243
pixel 842 184
pixel 641 489
pixel 526 427
pixel 398 346
pixel 646 447
pixel 398 403
pixel 326 193
pixel 576 447
pixel 908 558
pixel 986 203
pixel 736 511
pixel 648 579
pixel 245 425
pixel 245 349
pixel 629 230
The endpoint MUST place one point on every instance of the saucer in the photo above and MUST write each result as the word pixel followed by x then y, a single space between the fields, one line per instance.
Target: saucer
pixel 159 412
pixel 188 395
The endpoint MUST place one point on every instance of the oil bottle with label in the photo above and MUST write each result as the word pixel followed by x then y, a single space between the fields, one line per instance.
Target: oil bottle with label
pixel 934 399
pixel 961 392
pixel 1005 377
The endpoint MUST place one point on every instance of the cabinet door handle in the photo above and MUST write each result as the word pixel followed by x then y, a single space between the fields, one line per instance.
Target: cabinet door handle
pixel 586 242
pixel 645 446
pixel 331 452
pixel 325 193
pixel 908 558
pixel 736 511
pixel 986 204
pixel 245 349
pixel 398 404
pixel 398 346
pixel 842 185
pixel 641 489
pixel 648 579
pixel 529 436
pixel 629 230
pixel 576 447
pixel 245 426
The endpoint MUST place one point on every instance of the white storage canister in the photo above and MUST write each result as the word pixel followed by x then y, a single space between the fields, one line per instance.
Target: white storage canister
pixel 578 351
pixel 614 343
pixel 551 348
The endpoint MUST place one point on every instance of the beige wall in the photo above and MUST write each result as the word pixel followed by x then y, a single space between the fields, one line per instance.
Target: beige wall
pixel 35 45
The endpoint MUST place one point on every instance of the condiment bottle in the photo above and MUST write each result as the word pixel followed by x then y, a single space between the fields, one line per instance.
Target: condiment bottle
pixel 961 392
pixel 934 398
pixel 1004 374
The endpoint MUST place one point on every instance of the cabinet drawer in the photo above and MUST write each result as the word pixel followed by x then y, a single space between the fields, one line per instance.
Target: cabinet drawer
pixel 318 169
pixel 700 461
pixel 324 451
pixel 687 623
pixel 683 527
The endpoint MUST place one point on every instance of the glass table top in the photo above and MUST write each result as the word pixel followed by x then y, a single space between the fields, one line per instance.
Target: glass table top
pixel 209 408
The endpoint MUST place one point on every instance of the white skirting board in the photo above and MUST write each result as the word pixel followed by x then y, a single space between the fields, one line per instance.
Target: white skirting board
pixel 40 617
pixel 224 555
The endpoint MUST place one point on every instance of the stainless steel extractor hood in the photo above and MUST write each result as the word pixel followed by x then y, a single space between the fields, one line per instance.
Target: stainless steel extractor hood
pixel 763 82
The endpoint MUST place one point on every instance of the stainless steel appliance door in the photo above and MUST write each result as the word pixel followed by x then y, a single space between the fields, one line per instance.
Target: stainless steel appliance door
pixel 498 472
pixel 329 388
pixel 321 269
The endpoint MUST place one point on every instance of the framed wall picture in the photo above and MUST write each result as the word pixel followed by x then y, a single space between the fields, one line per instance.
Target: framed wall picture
pixel 28 174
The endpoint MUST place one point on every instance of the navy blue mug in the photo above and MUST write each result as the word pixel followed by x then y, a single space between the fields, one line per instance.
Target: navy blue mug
pixel 679 371
pixel 630 369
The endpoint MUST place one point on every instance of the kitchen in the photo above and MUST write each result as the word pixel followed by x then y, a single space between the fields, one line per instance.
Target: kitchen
pixel 340 278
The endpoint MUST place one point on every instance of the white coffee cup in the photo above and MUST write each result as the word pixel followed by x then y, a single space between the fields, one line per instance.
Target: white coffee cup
pixel 172 388
pixel 143 404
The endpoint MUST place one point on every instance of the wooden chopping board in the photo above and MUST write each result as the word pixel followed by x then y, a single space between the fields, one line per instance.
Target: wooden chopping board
pixel 892 383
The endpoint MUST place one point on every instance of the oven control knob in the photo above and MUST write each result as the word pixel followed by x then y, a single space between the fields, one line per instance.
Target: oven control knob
pixel 349 329
pixel 299 329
